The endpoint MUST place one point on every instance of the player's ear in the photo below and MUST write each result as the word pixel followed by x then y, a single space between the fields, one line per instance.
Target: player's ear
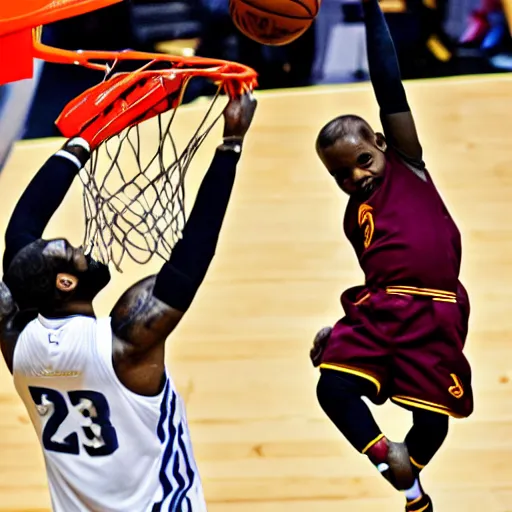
pixel 66 282
pixel 380 140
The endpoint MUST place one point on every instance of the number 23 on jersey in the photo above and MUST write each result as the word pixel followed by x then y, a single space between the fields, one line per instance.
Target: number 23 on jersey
pixel 100 435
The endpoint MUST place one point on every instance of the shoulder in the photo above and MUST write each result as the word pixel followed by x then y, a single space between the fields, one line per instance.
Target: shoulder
pixel 417 166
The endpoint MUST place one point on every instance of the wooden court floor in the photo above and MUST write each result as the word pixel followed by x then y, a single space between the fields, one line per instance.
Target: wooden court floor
pixel 240 358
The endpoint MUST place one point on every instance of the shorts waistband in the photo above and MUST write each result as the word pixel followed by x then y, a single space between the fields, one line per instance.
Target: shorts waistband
pixel 438 295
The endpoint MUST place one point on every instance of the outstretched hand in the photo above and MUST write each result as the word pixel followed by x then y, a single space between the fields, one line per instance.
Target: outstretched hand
pixel 238 115
pixel 319 343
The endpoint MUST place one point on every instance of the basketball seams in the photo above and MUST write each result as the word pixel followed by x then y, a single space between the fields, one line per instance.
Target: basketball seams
pixel 307 7
pixel 267 10
pixel 273 22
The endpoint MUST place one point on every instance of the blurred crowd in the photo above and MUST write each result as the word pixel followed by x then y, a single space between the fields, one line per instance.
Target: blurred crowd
pixel 488 30
pixel 204 26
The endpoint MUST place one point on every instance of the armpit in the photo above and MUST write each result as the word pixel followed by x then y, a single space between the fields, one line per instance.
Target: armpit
pixel 416 166
pixel 133 308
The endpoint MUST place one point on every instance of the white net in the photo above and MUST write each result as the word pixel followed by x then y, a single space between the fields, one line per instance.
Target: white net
pixel 134 193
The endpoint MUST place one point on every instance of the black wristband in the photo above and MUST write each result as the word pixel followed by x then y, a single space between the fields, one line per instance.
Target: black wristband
pixel 232 143
pixel 180 278
pixel 174 288
pixel 383 61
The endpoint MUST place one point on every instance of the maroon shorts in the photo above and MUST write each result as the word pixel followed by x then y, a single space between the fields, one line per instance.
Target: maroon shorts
pixel 409 342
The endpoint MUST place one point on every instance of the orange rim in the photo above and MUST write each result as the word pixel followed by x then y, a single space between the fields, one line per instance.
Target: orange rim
pixel 233 76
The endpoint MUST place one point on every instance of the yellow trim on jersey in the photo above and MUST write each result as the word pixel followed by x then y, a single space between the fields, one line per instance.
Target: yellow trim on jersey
pixel 372 443
pixel 362 299
pixel 352 371
pixel 419 466
pixel 422 509
pixel 413 502
pixel 423 404
pixel 439 295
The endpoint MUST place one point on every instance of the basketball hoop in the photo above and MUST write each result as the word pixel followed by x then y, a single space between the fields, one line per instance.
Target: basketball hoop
pixel 134 197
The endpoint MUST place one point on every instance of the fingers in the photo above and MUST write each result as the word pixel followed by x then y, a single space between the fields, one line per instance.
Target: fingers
pixel 246 97
pixel 250 95
pixel 321 338
pixel 323 335
pixel 316 356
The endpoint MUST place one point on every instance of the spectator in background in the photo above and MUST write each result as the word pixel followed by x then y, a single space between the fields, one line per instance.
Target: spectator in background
pixel 487 26
pixel 480 22
pixel 488 29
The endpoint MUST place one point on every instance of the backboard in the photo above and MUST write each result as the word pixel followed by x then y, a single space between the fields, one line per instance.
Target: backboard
pixel 17 21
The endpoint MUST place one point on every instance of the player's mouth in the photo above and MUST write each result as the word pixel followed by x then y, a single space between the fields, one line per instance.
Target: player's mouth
pixel 367 185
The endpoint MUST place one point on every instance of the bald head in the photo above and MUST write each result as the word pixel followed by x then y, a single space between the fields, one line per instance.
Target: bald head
pixel 353 154
pixel 344 127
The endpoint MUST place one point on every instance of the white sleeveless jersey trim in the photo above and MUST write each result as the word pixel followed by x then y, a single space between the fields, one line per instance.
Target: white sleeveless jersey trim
pixel 181 487
pixel 106 448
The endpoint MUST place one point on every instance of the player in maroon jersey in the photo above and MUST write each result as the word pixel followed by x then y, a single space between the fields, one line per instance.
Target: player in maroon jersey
pixel 403 332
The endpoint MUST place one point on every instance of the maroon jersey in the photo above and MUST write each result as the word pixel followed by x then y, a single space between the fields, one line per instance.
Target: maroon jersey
pixel 403 234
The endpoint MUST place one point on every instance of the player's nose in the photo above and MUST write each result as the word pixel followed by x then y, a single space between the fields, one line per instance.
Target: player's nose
pixel 359 174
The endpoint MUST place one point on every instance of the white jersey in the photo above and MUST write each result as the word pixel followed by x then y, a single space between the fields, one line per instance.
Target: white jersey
pixel 106 449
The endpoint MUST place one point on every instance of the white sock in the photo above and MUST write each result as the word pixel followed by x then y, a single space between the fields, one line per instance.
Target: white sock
pixel 382 467
pixel 414 492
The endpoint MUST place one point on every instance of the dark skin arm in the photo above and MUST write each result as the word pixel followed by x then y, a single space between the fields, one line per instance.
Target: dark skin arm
pixel 396 116
pixel 141 322
pixel 401 133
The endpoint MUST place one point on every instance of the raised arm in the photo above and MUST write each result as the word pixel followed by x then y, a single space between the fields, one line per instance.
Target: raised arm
pixel 149 311
pixel 43 196
pixel 396 116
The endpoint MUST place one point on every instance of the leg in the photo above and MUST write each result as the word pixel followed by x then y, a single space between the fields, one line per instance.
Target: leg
pixel 432 378
pixel 423 441
pixel 358 359
pixel 426 436
pixel 340 396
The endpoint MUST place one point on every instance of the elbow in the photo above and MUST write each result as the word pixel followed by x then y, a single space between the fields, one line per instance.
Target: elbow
pixel 175 288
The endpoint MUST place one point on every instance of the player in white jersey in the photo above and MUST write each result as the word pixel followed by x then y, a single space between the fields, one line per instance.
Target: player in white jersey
pixel 109 419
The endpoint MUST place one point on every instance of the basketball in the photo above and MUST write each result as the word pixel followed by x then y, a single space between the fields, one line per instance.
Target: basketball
pixel 273 22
